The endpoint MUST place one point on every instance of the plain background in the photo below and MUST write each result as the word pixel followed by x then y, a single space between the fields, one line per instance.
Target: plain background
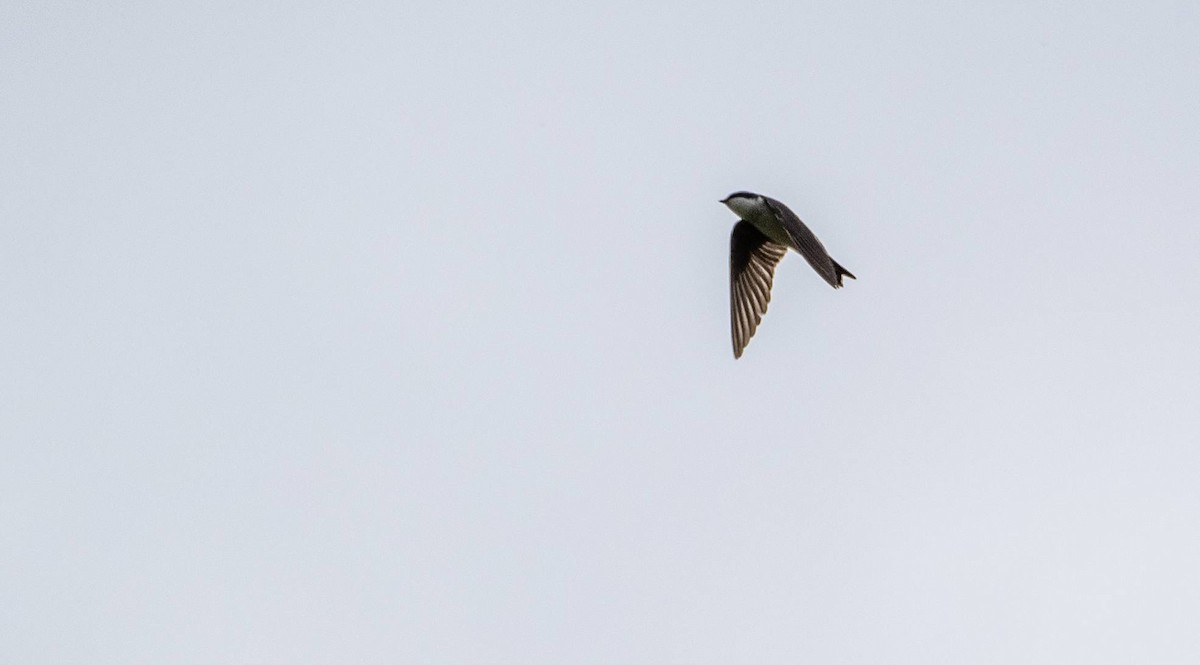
pixel 395 332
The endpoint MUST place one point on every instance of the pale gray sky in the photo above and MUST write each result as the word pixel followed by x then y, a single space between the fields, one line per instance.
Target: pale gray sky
pixel 398 333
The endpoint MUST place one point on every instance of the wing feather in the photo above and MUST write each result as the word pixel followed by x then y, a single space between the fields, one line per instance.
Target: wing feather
pixel 807 245
pixel 752 261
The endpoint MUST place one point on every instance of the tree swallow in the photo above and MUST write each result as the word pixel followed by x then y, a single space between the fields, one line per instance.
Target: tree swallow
pixel 758 242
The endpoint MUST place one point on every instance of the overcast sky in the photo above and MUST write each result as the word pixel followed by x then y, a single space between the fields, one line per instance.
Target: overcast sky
pixel 398 332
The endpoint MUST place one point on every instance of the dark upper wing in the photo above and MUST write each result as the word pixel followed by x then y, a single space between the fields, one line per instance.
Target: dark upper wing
pixel 807 244
pixel 752 261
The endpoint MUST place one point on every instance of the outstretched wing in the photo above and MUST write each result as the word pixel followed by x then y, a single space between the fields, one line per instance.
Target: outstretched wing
pixel 752 261
pixel 807 244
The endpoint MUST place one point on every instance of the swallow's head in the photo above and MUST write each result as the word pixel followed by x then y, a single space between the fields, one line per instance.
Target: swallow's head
pixel 744 204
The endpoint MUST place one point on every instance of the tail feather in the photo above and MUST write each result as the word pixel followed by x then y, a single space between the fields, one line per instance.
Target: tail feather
pixel 839 271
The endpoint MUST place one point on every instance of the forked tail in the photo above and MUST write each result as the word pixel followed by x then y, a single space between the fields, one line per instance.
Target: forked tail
pixel 839 271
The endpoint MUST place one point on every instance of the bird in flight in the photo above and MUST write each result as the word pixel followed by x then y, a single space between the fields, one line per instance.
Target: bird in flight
pixel 763 234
